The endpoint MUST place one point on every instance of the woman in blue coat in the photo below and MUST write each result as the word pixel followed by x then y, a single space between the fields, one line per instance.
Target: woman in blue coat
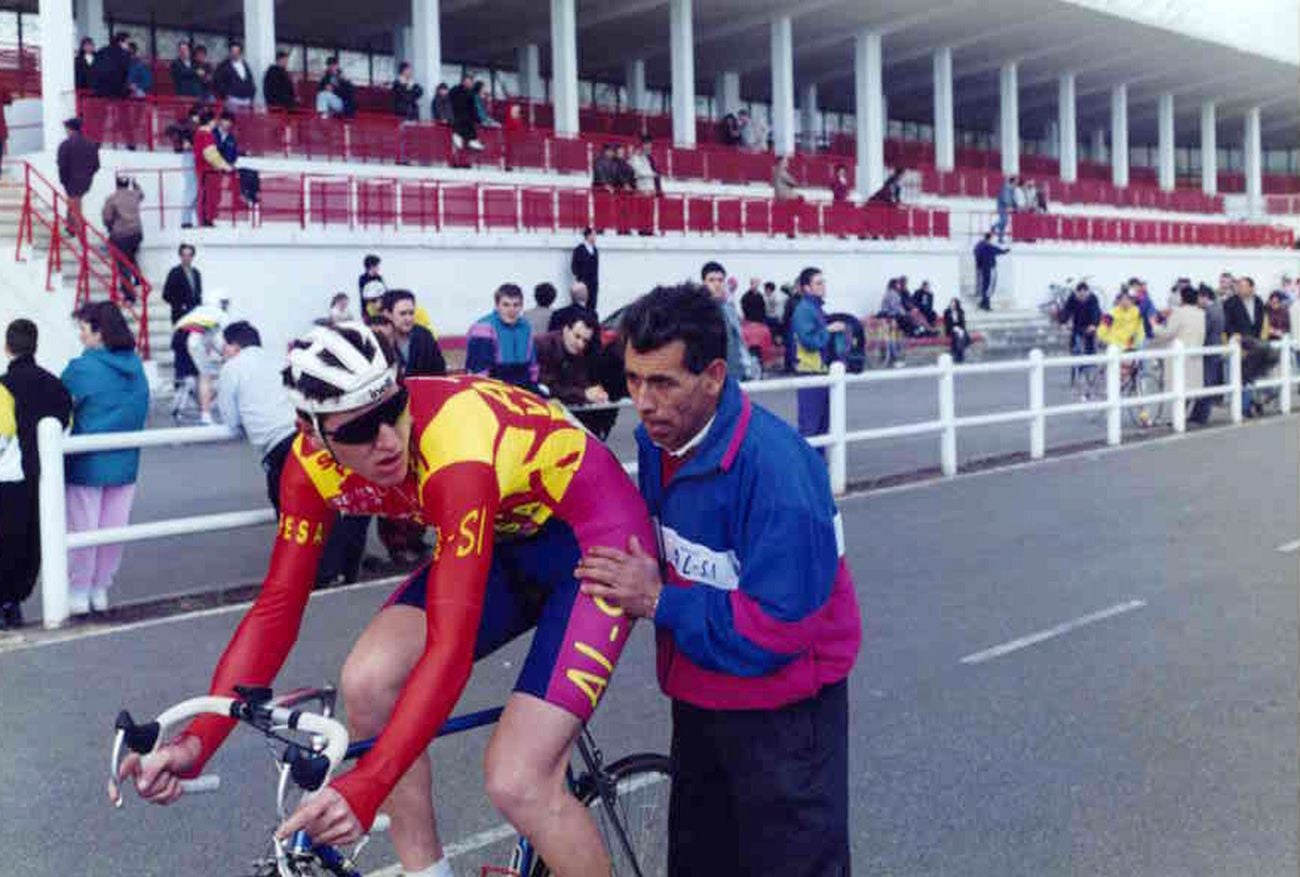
pixel 109 394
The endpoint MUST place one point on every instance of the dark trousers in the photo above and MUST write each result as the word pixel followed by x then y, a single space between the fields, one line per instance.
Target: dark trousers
pixel 129 245
pixel 20 541
pixel 984 278
pixel 1213 369
pixel 346 544
pixel 815 412
pixel 761 792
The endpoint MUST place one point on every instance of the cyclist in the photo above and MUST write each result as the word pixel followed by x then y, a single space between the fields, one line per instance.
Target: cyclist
pixel 1083 312
pixel 516 493
pixel 1123 326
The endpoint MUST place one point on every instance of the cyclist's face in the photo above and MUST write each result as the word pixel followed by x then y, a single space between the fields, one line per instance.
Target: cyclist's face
pixel 672 402
pixel 382 461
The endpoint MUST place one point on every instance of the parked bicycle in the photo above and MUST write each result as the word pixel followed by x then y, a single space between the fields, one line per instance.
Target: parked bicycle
pixel 628 796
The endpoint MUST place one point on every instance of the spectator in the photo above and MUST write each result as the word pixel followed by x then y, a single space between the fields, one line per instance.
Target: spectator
pixel 565 364
pixel 417 350
pixel 1019 203
pixel 83 65
pixel 605 170
pixel 108 75
pixel 624 175
pixel 515 122
pixel 760 721
pixel 1029 201
pixel 250 181
pixel 441 108
pixel 740 363
pixel 1006 202
pixel 406 94
pixel 339 84
pixel 892 191
pixel 954 326
pixel 196 343
pixel 183 289
pixel 810 338
pixel 277 87
pixel 1277 321
pixel 78 160
pixel 139 76
pixel 121 217
pixel 328 104
pixel 753 307
pixel 185 76
pixel 584 264
pixel 233 81
pixel 1138 292
pixel 1186 323
pixel 204 69
pixel 464 118
pixel 1082 311
pixel 109 394
pixel 539 316
pixel 579 303
pixel 1122 327
pixel 732 134
pixel 753 132
pixel 6 99
pixel 647 150
pixel 923 301
pixel 774 303
pixel 371 287
pixel 645 179
pixel 1244 313
pixel 986 258
pixel 783 182
pixel 500 345
pixel 210 167
pixel 1040 199
pixel 339 312
pixel 481 102
pixel 840 186
pixel 28 393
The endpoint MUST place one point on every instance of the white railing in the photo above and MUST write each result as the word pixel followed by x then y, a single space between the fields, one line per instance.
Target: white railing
pixel 54 445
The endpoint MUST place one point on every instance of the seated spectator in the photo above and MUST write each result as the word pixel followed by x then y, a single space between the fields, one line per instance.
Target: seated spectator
pixel 406 94
pixel 250 181
pixel 481 101
pixel 646 180
pixel 579 303
pixel 923 300
pixel 441 107
pixel 112 66
pixel 783 182
pixel 233 81
pixel 500 345
pixel 954 326
pixel 339 311
pixel 894 307
pixel 753 307
pixel 185 76
pixel 343 86
pixel 732 134
pixel 539 317
pixel 464 116
pixel 277 86
pixel 605 170
pixel 565 363
pixel 328 104
pixel 139 76
pixel 840 187
pixel 82 65
pixel 417 350
pixel 892 190
pixel 917 323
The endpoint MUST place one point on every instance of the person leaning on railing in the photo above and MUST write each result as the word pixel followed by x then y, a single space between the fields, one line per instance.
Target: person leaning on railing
pixel 210 168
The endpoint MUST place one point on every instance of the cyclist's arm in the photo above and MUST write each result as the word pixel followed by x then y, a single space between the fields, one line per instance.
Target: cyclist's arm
pixel 460 501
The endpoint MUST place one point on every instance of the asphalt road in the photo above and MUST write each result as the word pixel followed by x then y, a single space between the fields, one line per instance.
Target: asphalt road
pixel 1161 740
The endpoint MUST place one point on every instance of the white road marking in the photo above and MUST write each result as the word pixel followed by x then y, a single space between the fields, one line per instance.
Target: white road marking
pixel 1290 547
pixel 1034 638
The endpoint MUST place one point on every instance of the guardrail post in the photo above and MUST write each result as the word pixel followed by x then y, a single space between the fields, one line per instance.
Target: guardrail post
pixel 947 417
pixel 837 453
pixel 1235 393
pixel 1288 372
pixel 53 523
pixel 1037 408
pixel 1114 434
pixel 1179 371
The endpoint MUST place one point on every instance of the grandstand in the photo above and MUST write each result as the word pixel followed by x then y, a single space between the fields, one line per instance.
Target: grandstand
pixel 1164 147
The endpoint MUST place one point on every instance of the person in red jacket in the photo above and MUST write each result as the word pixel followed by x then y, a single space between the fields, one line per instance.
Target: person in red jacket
pixel 212 170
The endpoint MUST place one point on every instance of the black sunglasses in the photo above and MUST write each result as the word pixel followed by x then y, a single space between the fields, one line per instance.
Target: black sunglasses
pixel 362 430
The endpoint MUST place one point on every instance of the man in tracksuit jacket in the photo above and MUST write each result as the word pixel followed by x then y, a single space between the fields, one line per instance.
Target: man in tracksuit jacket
pixel 756 616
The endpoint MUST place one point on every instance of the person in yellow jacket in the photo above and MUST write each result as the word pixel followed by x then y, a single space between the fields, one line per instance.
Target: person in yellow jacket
pixel 1123 327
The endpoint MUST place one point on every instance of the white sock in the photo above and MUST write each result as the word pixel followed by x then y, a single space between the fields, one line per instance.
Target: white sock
pixel 440 868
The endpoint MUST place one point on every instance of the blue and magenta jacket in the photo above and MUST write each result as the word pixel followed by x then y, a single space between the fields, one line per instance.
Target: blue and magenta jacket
pixel 502 351
pixel 759 609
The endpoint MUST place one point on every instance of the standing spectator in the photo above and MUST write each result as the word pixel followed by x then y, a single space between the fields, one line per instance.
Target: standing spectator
pixel 233 81
pixel 840 186
pixel 78 160
pixel 481 101
pixel 139 75
pixel 1186 323
pixel 204 69
pixel 810 336
pixel 108 75
pixel 565 365
pixel 500 345
pixel 986 258
pixel 753 130
pixel 1211 363
pixel 186 79
pixel 647 151
pixel 82 65
pixel 183 289
pixel 1006 202
pixel 579 303
pixel 604 169
pixel 774 303
pixel 371 287
pixel 441 107
pixel 732 133
pixel 211 168
pixel 1082 311
pixel 464 117
pixel 954 326
pixel 1030 199
pixel 277 87
pixel 1244 313
pixel 756 615
pixel 406 94
pixel 109 394
pixel 585 266
pixel 28 393
pixel 250 181
pixel 328 104
pixel 539 316
pixel 783 182
pixel 1277 321
pixel 624 175
pixel 122 220
pixel 740 362
pixel 753 307
pixel 417 350
pixel 646 180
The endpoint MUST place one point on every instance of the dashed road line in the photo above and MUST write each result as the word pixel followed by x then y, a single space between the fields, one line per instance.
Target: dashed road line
pixel 1289 547
pixel 1023 642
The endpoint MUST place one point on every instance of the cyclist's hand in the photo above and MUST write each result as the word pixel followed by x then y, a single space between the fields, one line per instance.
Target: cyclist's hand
pixel 326 817
pixel 158 775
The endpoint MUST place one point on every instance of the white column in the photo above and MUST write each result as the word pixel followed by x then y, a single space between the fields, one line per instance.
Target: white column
pixel 869 107
pixel 259 40
pixel 1119 135
pixel 726 92
pixel 564 66
pixel 426 49
pixel 783 85
pixel 1209 149
pixel 403 39
pixel 90 21
pixel 528 61
pixel 681 34
pixel 884 120
pixel 810 118
pixel 1254 163
pixel 634 78
pixel 1165 147
pixel 58 88
pixel 1067 125
pixel 944 131
pixel 1052 138
pixel 1009 118
pixel 1098 149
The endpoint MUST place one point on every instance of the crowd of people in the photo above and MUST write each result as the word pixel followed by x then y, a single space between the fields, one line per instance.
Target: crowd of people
pixel 1017 195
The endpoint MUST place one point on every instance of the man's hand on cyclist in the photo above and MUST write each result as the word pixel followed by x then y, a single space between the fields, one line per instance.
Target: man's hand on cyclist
pixel 626 579
pixel 326 817
pixel 158 775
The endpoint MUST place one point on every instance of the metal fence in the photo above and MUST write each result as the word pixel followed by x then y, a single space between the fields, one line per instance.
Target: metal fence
pixel 53 445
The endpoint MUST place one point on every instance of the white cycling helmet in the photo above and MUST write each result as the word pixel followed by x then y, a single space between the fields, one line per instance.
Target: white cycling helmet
pixel 360 373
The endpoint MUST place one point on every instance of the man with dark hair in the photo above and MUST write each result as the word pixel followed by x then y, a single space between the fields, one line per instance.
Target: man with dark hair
pixel 183 289
pixel 277 87
pixel 810 337
pixel 579 303
pixel 417 350
pixel 341 85
pixel 566 363
pixel 500 345
pixel 28 394
pixel 585 266
pixel 1244 312
pixel 464 114
pixel 112 66
pixel 539 317
pixel 986 257
pixel 1082 311
pixel 740 362
pixel 185 74
pixel 210 167
pixel 78 161
pixel 233 82
pixel 406 94
pixel 121 215
pixel 757 618
pixel 371 287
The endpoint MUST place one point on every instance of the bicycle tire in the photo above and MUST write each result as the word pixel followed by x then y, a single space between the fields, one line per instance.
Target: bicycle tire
pixel 648 834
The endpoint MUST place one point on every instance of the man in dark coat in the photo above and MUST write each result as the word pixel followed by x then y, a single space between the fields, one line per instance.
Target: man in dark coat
pixel 184 287
pixel 417 349
pixel 32 394
pixel 277 87
pixel 108 75
pixel 986 257
pixel 464 116
pixel 585 266
pixel 78 160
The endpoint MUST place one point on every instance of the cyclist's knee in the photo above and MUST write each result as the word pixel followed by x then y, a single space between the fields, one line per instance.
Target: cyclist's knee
pixel 371 681
pixel 523 793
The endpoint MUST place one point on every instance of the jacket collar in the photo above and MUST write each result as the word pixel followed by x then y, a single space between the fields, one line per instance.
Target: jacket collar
pixel 721 444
